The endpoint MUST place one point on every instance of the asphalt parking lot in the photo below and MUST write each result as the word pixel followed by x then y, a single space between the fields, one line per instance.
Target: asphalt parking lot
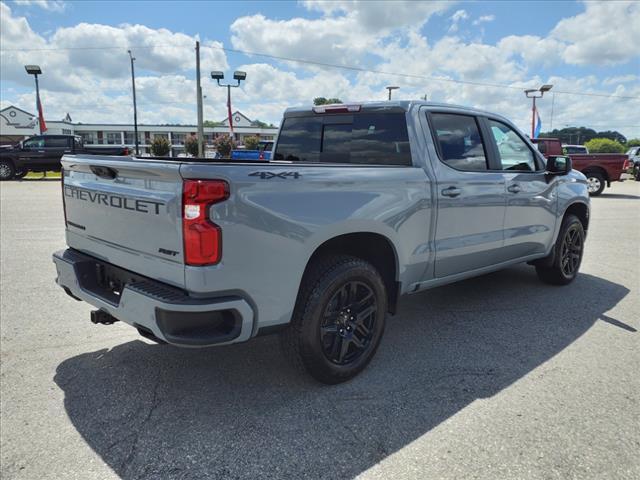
pixel 495 377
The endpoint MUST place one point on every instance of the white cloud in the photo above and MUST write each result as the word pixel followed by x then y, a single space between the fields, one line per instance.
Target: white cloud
pixel 621 79
pixel 346 32
pixel 484 19
pixel 49 5
pixel 456 18
pixel 606 33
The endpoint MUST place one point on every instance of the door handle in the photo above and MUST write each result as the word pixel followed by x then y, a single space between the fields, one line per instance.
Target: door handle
pixel 451 192
pixel 515 188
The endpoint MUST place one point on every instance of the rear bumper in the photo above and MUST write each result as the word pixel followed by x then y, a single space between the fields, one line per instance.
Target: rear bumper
pixel 152 306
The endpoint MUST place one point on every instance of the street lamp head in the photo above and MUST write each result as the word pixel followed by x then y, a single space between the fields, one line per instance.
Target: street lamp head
pixel 529 90
pixel 217 75
pixel 392 88
pixel 33 69
pixel 238 75
pixel 546 88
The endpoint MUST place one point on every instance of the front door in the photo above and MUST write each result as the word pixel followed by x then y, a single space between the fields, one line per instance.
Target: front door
pixel 531 200
pixel 32 155
pixel 55 147
pixel 471 204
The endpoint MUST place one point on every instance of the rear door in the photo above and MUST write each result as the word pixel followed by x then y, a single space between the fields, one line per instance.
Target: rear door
pixel 55 146
pixel 531 201
pixel 127 213
pixel 470 197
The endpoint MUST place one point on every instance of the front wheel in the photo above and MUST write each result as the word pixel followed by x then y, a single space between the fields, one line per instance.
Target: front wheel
pixel 595 183
pixel 338 320
pixel 567 254
pixel 7 170
pixel 20 174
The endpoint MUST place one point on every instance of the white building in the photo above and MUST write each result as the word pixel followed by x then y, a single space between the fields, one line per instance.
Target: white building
pixel 16 124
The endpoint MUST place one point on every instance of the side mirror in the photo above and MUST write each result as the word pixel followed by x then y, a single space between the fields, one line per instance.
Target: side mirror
pixel 557 165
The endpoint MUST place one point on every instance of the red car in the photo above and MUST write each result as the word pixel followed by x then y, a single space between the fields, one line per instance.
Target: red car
pixel 600 168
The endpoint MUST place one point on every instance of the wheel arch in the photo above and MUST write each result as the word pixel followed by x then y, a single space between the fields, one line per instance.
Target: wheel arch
pixel 580 210
pixel 597 169
pixel 372 247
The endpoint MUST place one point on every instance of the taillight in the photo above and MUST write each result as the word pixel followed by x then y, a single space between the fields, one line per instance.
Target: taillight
pixel 202 237
pixel 261 156
pixel 126 151
pixel 626 164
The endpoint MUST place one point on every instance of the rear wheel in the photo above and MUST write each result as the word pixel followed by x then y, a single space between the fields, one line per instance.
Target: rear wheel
pixel 595 183
pixel 567 254
pixel 20 174
pixel 7 170
pixel 338 320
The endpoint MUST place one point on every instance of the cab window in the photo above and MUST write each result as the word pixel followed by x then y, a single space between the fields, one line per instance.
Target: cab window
pixel 34 143
pixel 514 153
pixel 56 142
pixel 458 141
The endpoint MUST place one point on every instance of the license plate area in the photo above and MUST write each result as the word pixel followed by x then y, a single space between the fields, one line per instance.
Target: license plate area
pixel 104 280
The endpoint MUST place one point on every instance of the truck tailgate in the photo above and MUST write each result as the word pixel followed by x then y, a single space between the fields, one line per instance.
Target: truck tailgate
pixel 126 212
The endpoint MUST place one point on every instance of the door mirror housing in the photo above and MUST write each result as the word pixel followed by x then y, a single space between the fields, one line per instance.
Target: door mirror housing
pixel 558 165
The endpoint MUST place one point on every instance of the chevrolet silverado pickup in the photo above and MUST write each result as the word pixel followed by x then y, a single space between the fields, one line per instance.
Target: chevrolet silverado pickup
pixel 600 168
pixel 42 153
pixel 360 204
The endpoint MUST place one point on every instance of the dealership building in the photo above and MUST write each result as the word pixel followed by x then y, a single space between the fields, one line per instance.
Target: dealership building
pixel 17 124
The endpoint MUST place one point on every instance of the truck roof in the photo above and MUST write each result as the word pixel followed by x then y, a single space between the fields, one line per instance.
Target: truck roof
pixel 396 105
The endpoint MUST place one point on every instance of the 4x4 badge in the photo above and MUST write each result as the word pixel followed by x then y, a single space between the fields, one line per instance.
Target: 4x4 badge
pixel 269 175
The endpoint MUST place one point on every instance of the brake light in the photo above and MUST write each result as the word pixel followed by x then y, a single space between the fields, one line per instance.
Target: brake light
pixel 337 108
pixel 626 164
pixel 126 151
pixel 202 237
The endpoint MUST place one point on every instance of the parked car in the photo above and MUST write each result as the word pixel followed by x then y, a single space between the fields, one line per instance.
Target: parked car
pixel 359 205
pixel 634 162
pixel 572 149
pixel 42 153
pixel 262 153
pixel 600 168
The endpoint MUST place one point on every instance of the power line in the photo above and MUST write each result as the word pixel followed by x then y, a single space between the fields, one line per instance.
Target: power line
pixel 328 65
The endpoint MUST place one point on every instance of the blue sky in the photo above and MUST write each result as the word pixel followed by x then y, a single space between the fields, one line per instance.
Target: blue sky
pixel 579 47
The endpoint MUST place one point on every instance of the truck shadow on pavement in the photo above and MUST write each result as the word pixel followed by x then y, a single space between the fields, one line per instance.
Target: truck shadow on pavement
pixel 153 411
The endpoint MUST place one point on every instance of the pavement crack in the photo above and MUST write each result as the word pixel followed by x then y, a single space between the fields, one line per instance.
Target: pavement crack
pixel 155 403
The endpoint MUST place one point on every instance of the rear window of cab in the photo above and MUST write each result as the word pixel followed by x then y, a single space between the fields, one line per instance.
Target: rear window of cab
pixel 365 138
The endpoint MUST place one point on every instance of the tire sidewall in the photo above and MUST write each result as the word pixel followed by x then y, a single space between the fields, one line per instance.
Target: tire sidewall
pixel 12 170
pixel 311 342
pixel 566 225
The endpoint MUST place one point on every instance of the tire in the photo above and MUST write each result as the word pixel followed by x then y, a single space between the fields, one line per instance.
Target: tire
pixel 595 183
pixel 7 170
pixel 18 174
pixel 564 262
pixel 338 320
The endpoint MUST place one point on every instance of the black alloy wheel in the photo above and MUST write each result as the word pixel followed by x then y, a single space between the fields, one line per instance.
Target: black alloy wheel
pixel 571 251
pixel 348 323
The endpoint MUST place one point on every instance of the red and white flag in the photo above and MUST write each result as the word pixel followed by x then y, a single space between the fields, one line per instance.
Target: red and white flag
pixel 43 125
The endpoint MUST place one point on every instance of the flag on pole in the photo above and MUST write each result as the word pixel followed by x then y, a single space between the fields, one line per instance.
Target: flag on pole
pixel 43 125
pixel 536 132
pixel 229 110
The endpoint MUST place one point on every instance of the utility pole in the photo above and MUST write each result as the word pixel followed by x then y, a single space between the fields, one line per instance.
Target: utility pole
pixel 553 100
pixel 534 93
pixel 391 88
pixel 199 100
pixel 135 108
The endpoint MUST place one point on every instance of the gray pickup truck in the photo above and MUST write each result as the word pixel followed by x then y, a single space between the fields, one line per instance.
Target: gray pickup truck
pixel 359 205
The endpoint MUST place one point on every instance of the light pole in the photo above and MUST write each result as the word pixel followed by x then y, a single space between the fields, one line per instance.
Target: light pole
pixel 390 88
pixel 533 94
pixel 238 76
pixel 135 108
pixel 35 71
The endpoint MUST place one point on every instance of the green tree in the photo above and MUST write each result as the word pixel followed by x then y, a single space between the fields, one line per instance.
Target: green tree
pixel 191 145
pixel 224 144
pixel 604 145
pixel 251 142
pixel 211 123
pixel 633 142
pixel 160 146
pixel 325 101
pixel 259 124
